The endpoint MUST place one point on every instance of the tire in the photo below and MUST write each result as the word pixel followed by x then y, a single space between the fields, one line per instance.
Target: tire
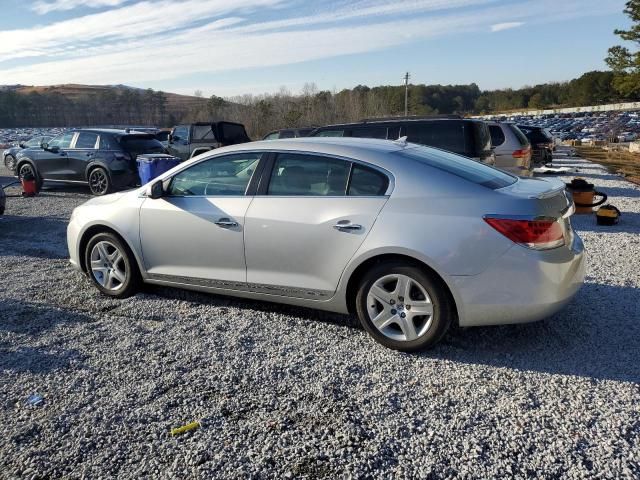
pixel 99 181
pixel 10 162
pixel 25 167
pixel 111 266
pixel 382 295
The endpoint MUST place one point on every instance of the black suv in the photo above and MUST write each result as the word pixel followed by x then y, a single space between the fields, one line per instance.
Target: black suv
pixel 104 159
pixel 541 143
pixel 463 136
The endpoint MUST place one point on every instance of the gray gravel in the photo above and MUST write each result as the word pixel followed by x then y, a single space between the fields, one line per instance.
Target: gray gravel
pixel 286 392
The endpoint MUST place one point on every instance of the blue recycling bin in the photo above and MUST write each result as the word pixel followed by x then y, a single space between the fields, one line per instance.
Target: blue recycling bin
pixel 150 165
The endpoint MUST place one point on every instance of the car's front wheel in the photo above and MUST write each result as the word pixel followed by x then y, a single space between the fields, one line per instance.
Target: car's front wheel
pixel 403 307
pixel 111 266
pixel 99 181
pixel 27 170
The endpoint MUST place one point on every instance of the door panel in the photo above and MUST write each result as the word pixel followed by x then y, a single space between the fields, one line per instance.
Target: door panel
pixel 83 152
pixel 55 166
pixel 292 247
pixel 180 238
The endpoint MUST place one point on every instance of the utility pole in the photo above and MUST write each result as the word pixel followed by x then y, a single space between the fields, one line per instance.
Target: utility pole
pixel 406 94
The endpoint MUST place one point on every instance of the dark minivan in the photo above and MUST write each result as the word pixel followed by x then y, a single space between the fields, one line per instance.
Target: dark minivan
pixel 463 136
pixel 104 159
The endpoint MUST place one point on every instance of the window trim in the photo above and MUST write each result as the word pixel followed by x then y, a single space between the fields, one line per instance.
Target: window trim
pixel 248 192
pixel 263 186
pixel 96 145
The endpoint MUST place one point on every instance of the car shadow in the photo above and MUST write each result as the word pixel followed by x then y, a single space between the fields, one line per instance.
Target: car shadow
pixel 18 237
pixel 592 337
pixel 19 318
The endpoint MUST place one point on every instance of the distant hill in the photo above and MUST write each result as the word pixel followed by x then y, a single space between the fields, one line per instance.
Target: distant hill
pixel 176 104
pixel 73 104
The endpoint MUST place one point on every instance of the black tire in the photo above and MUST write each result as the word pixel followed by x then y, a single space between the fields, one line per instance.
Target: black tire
pixel 436 325
pixel 25 168
pixel 99 181
pixel 10 163
pixel 132 281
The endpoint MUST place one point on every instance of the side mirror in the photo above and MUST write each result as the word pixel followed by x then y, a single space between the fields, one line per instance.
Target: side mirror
pixel 53 149
pixel 170 138
pixel 22 145
pixel 156 190
pixel 44 145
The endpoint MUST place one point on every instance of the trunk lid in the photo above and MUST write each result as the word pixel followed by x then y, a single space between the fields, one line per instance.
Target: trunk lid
pixel 547 197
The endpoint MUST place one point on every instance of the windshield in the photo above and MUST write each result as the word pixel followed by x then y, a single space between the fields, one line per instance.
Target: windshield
pixel 460 166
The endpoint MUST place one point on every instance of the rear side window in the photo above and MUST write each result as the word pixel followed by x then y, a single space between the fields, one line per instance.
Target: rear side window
pixel 330 133
pixel 202 132
pixel 141 144
pixel 461 167
pixel 446 135
pixel 86 140
pixel 107 143
pixel 497 135
pixel 522 138
pixel 272 136
pixel 367 182
pixel 370 132
pixel 308 175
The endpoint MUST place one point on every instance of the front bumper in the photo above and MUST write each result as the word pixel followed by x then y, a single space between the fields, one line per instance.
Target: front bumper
pixel 73 237
pixel 523 286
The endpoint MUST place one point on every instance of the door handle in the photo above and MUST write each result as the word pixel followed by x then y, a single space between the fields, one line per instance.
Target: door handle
pixel 226 223
pixel 346 226
pixel 89 154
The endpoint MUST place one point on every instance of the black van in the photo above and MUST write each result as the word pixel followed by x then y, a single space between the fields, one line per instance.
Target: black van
pixel 463 136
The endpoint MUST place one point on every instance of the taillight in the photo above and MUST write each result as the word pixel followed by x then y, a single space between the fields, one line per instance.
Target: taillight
pixel 539 234
pixel 522 153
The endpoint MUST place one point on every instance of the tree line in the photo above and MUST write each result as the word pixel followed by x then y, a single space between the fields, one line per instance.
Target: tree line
pixel 311 107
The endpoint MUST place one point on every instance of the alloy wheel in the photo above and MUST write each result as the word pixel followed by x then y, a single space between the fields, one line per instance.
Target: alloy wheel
pixel 98 181
pixel 399 307
pixel 108 266
pixel 25 170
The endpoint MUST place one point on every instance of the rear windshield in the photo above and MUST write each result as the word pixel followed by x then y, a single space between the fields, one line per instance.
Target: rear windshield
pixel 141 144
pixel 519 135
pixel 462 167
pixel 447 135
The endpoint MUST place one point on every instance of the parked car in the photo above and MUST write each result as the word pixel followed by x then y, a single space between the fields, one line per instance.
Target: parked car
pixel 186 141
pixel 511 148
pixel 289 133
pixel 466 137
pixel 104 159
pixel 10 154
pixel 163 137
pixel 411 239
pixel 541 143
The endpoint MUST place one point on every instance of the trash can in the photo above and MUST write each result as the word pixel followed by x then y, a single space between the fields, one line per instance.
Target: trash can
pixel 150 165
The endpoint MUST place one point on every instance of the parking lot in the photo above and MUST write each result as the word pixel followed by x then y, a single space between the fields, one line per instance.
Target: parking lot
pixel 288 392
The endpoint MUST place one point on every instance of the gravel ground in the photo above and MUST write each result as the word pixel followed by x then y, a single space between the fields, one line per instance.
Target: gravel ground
pixel 289 392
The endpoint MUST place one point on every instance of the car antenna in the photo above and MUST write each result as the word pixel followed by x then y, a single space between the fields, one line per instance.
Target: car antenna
pixel 402 141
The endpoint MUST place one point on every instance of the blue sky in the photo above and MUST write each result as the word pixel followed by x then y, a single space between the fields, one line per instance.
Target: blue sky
pixel 232 47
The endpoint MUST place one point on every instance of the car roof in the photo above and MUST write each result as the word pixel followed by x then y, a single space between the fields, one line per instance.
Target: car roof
pixel 113 131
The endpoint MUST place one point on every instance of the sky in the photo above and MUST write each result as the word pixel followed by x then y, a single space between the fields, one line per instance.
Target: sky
pixel 233 47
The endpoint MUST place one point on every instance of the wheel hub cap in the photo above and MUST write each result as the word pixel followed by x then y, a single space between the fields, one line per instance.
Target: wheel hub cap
pixel 107 265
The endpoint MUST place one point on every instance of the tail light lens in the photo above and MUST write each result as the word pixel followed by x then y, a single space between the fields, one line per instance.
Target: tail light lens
pixel 539 234
pixel 522 153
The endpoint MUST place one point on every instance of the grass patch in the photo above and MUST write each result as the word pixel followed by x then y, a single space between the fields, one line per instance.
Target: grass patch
pixel 617 161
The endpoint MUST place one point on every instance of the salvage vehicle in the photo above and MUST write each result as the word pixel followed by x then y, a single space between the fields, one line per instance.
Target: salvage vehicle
pixel 410 239
pixel 9 155
pixel 541 143
pixel 511 148
pixel 103 159
pixel 187 141
pixel 463 136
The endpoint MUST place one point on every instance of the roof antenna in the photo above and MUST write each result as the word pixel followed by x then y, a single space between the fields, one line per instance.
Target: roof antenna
pixel 402 141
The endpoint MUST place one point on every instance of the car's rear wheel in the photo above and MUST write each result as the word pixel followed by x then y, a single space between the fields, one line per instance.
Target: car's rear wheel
pixel 99 181
pixel 10 162
pixel 403 307
pixel 111 266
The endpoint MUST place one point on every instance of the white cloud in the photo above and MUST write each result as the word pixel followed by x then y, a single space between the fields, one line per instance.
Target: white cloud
pixel 155 41
pixel 498 27
pixel 43 7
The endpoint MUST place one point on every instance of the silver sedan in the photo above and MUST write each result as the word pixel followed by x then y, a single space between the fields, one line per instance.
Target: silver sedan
pixel 411 239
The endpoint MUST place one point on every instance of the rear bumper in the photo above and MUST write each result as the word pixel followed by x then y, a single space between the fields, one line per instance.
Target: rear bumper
pixel 524 286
